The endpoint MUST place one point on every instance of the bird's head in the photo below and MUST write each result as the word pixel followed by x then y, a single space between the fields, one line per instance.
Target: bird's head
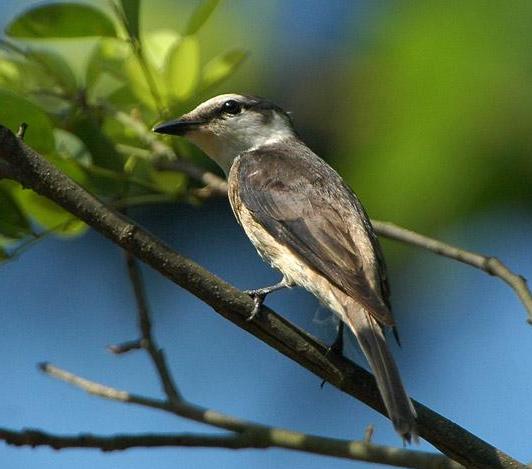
pixel 229 124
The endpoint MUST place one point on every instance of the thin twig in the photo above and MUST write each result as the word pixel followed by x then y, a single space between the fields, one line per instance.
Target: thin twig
pixel 125 347
pixel 136 47
pixel 21 132
pixel 148 341
pixel 248 434
pixel 489 264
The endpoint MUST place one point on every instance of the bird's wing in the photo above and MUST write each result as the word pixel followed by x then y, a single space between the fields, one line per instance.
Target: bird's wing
pixel 305 206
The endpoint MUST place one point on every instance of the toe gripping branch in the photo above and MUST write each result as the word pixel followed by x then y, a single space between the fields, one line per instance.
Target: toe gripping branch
pixel 259 295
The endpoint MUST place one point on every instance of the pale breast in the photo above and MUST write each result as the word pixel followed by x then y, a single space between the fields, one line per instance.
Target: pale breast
pixel 280 256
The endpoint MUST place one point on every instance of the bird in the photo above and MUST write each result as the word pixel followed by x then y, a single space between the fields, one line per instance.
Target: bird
pixel 306 222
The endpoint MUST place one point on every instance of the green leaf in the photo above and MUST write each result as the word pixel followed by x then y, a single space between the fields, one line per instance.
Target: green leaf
pixel 49 215
pixel 138 85
pixel 3 255
pixel 157 44
pixel 170 182
pixel 107 58
pixel 61 20
pixel 13 223
pixel 221 67
pixel 15 109
pixel 131 10
pixel 55 66
pixel 182 68
pixel 200 16
pixel 10 75
pixel 89 130
pixel 70 146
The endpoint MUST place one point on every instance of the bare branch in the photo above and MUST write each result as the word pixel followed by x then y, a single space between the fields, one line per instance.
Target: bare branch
pixel 33 171
pixel 21 132
pixel 353 450
pixel 491 265
pixel 249 435
pixel 125 347
pixel 148 342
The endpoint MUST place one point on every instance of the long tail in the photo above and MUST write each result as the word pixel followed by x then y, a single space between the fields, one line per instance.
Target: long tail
pixel 371 339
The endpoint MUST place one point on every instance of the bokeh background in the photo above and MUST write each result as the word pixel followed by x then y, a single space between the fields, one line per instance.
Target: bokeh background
pixel 426 109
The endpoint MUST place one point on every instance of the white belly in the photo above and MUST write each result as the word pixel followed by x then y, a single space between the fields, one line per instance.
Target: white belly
pixel 289 264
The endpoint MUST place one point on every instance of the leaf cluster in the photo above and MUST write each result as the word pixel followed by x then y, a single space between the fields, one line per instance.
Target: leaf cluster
pixel 93 121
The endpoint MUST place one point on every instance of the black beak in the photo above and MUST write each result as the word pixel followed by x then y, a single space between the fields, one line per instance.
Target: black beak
pixel 177 127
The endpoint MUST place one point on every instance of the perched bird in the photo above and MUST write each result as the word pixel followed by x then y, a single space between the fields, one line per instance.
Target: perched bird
pixel 305 221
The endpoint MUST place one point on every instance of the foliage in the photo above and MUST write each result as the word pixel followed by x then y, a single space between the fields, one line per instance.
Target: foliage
pixel 79 121
pixel 439 122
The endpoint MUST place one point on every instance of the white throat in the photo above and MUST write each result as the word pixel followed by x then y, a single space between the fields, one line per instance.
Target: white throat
pixel 225 144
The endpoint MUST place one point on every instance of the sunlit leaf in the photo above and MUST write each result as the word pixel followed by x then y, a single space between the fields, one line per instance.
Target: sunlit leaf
pixel 137 82
pixel 170 182
pixel 10 76
pixel 131 10
pixel 182 69
pixel 61 20
pixel 15 109
pixel 200 16
pixel 157 43
pixel 221 67
pixel 13 223
pixel 49 215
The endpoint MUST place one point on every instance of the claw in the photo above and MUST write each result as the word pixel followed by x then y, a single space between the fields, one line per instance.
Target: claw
pixel 260 294
pixel 258 299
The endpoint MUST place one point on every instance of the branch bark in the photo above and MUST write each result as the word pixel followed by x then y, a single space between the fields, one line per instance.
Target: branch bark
pixel 353 450
pixel 33 171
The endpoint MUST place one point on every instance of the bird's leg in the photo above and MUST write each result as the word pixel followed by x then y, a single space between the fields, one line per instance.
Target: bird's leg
pixel 338 345
pixel 259 295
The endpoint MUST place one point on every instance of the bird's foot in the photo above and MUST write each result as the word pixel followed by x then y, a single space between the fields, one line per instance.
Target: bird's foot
pixel 258 295
pixel 337 347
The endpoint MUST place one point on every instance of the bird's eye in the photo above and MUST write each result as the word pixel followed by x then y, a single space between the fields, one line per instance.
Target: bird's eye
pixel 231 107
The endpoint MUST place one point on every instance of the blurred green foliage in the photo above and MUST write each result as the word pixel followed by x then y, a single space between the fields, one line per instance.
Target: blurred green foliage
pixel 440 112
pixel 424 107
pixel 93 122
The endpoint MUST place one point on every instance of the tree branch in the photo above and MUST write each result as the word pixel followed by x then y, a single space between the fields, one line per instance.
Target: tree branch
pixel 148 342
pixel 33 171
pixel 248 434
pixel 353 450
pixel 488 264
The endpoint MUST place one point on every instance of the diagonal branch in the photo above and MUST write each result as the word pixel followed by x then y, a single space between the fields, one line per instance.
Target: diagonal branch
pixel 33 171
pixel 248 434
